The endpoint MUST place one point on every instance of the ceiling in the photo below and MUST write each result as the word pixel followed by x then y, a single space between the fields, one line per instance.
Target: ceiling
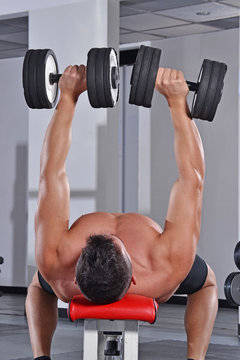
pixel 140 20
pixel 144 20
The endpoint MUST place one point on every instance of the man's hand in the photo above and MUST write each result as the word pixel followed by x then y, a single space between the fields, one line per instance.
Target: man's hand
pixel 73 82
pixel 172 85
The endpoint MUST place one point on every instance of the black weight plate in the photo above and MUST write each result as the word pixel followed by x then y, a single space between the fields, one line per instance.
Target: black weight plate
pixel 91 78
pixel 29 77
pixel 41 77
pixel 237 255
pixel 135 74
pixel 100 60
pixel 200 96
pixel 143 76
pixel 219 89
pixel 25 81
pixel 232 289
pixel 150 85
pixel 43 84
pixel 211 91
pixel 32 79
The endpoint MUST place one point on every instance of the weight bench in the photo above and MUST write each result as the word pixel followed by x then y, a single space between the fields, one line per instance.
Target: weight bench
pixel 111 331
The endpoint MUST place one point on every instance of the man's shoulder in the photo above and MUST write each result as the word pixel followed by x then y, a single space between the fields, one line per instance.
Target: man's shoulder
pixel 94 217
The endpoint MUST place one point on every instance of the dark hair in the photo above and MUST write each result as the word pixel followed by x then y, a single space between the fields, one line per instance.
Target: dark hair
pixel 103 273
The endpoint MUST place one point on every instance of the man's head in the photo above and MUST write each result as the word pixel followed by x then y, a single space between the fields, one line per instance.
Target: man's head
pixel 104 269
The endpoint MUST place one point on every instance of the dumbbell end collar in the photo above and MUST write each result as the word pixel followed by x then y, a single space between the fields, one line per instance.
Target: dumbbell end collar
pixel 192 86
pixel 54 78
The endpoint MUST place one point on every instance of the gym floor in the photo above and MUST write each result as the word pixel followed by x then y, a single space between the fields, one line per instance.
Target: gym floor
pixel 165 340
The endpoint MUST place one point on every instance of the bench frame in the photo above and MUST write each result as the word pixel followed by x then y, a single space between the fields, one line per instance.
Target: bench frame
pixel 94 339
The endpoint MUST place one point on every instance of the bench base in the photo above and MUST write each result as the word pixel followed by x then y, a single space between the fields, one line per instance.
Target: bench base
pixel 123 331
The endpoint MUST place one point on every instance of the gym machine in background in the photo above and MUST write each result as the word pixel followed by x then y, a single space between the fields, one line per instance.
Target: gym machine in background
pixel 1 262
pixel 40 80
pixel 232 283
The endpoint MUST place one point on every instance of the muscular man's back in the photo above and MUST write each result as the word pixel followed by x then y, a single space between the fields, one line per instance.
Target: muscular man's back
pixel 141 237
pixel 156 257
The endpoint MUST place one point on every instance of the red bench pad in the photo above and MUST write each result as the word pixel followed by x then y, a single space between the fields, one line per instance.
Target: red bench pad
pixel 130 307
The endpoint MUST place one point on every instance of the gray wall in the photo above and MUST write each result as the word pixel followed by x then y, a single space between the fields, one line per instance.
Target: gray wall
pixel 221 141
pixel 13 165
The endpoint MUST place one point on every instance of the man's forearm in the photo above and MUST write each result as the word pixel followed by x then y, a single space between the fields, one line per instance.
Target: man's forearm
pixel 187 144
pixel 58 138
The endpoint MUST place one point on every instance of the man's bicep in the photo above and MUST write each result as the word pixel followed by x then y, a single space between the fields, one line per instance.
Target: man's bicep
pixel 185 205
pixel 182 226
pixel 183 220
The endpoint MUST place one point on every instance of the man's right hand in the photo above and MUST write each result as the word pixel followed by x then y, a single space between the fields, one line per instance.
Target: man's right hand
pixel 73 82
pixel 172 85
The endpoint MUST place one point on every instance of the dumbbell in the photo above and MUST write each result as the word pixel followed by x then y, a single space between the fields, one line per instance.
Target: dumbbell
pixel 40 78
pixel 232 289
pixel 1 262
pixel 208 88
pixel 237 255
pixel 232 282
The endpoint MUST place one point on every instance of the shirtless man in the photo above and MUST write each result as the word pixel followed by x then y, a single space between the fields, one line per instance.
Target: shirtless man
pixel 105 255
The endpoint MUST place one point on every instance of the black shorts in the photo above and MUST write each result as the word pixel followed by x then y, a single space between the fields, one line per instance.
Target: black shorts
pixel 46 287
pixel 195 279
pixel 193 282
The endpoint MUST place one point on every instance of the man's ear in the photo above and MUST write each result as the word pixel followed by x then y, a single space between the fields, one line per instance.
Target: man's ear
pixel 134 280
pixel 75 280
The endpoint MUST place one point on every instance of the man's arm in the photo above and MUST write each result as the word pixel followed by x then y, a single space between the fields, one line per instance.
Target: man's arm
pixel 52 216
pixel 183 220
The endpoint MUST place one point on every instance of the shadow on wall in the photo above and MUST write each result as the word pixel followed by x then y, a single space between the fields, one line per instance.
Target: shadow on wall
pixel 163 169
pixel 19 217
pixel 109 164
pixel 101 168
pixel 99 193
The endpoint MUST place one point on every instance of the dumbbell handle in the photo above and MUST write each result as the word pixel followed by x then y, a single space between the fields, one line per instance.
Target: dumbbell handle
pixel 192 85
pixel 54 78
